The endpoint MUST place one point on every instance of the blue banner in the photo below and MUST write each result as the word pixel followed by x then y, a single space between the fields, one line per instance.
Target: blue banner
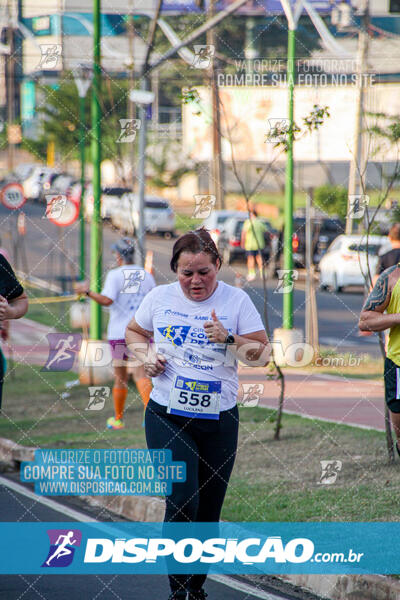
pixel 252 7
pixel 158 548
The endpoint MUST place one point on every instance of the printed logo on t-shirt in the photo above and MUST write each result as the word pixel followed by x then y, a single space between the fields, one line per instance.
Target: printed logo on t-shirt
pixel 176 334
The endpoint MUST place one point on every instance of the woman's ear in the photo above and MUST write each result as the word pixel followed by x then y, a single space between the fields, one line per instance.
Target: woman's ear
pixel 218 264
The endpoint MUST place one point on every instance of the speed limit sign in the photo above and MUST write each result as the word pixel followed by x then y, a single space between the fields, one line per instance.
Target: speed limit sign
pixel 12 196
pixel 61 210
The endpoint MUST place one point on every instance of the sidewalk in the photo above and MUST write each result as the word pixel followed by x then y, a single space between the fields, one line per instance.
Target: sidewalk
pixel 28 342
pixel 327 397
pixel 351 401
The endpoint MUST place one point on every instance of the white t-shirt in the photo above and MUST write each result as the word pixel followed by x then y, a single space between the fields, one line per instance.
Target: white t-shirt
pixel 177 326
pixel 126 286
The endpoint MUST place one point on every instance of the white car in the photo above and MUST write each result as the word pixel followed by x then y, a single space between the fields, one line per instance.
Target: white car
pixel 33 183
pixel 111 198
pixel 345 261
pixel 158 215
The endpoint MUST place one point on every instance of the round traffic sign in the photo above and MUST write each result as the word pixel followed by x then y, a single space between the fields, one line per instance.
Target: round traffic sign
pixel 12 195
pixel 61 210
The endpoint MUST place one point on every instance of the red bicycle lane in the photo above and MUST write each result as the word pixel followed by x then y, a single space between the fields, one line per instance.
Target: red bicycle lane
pixel 333 398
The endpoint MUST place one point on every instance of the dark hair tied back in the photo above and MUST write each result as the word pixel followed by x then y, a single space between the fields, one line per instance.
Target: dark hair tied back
pixel 195 242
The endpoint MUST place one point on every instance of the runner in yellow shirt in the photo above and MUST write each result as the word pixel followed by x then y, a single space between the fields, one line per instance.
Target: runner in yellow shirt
pixel 385 296
pixel 253 241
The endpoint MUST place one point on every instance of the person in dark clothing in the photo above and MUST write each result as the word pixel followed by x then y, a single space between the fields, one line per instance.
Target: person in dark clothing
pixel 13 303
pixel 391 258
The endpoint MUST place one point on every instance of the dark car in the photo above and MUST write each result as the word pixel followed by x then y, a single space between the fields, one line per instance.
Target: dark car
pixel 324 231
pixel 229 240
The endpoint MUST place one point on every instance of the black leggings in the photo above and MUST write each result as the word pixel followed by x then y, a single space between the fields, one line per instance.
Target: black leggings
pixel 208 448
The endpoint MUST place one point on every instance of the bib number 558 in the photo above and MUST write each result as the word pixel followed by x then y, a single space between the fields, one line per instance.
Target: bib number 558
pixel 194 399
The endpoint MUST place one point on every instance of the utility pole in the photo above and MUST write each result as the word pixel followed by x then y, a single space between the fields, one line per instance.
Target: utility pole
pixel 311 324
pixel 216 175
pixel 83 77
pixel 10 86
pixel 288 231
pixel 96 241
pixel 141 234
pixel 144 86
pixel 357 162
pixel 131 104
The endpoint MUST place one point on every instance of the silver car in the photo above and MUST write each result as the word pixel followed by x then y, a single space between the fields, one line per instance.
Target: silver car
pixel 158 215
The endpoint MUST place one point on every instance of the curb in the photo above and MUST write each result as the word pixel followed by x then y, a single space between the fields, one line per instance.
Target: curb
pixel 134 508
pixel 150 509
pixel 348 587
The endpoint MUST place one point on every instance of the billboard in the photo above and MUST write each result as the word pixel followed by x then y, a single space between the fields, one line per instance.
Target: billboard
pixel 248 114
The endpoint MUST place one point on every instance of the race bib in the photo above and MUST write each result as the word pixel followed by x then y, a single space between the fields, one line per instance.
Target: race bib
pixel 194 398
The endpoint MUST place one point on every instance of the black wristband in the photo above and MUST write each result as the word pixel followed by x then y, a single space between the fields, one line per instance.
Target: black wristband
pixel 229 339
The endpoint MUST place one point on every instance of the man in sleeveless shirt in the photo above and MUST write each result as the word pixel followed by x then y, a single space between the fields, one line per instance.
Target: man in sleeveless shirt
pixel 382 311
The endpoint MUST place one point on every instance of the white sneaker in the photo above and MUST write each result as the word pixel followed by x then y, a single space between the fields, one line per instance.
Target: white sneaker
pixel 251 277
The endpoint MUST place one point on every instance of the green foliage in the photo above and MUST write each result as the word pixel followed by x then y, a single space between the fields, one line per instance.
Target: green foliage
pixel 332 199
pixel 163 176
pixel 315 119
pixel 59 110
pixel 395 216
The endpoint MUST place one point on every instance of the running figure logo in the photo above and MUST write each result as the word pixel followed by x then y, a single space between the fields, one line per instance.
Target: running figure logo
pixel 62 351
pixel 204 205
pixel 128 130
pixel 357 205
pixel 132 280
pixel 251 394
pixel 203 56
pixel 55 206
pixel 50 55
pixel 330 471
pixel 286 279
pixel 98 396
pixel 278 130
pixel 62 547
pixel 176 335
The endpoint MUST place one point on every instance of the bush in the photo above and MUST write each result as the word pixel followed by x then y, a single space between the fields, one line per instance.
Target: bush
pixel 332 199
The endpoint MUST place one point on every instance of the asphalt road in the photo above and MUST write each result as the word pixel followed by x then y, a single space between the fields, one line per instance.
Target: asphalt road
pixel 48 251
pixel 18 503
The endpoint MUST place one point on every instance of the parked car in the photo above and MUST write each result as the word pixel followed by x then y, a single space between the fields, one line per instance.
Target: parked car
pixel 229 239
pixel 158 215
pixel 215 223
pixel 345 262
pixel 111 198
pixel 55 183
pixel 324 231
pixel 33 183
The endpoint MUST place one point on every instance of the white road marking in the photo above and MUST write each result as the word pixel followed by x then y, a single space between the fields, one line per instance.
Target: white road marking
pixel 243 587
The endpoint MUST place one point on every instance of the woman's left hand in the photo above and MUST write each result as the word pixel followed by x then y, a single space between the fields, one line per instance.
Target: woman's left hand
pixel 214 329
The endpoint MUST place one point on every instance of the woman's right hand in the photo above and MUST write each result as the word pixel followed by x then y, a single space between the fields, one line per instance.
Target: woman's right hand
pixel 155 366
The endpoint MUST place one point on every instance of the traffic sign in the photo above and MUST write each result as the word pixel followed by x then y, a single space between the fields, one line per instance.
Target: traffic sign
pixel 61 210
pixel 12 196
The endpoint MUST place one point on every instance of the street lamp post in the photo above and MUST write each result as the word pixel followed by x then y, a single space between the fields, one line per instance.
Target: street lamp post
pixel 82 75
pixel 288 250
pixel 96 232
